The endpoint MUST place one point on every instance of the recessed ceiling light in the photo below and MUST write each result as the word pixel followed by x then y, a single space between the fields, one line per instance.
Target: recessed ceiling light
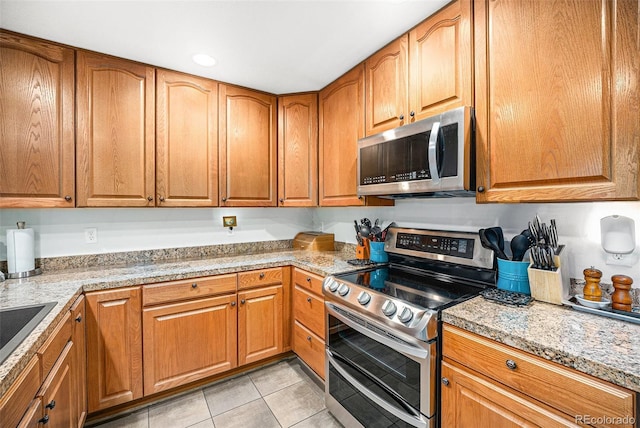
pixel 204 60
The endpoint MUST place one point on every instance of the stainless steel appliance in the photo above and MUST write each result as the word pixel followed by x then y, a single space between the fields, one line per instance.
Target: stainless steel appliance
pixel 383 326
pixel 431 157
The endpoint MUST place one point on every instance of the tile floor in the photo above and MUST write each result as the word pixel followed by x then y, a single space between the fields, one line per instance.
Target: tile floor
pixel 279 395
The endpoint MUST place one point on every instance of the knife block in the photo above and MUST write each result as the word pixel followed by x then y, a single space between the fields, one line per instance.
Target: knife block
pixel 549 286
pixel 362 251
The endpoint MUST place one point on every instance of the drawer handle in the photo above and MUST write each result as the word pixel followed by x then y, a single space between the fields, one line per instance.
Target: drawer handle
pixel 51 405
pixel 309 338
pixel 79 318
pixel 44 420
pixel 445 381
pixel 194 285
pixel 308 279
pixel 511 365
pixel 261 275
pixel 242 302
pixel 309 299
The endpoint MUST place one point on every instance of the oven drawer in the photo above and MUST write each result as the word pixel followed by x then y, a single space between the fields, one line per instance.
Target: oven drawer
pixel 259 278
pixel 309 347
pixel 309 310
pixel 564 389
pixel 308 281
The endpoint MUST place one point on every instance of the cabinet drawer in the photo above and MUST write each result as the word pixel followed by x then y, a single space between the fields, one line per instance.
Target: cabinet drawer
pixel 308 281
pixel 33 415
pixel 50 351
pixel 567 390
pixel 15 401
pixel 309 347
pixel 308 309
pixel 188 289
pixel 259 278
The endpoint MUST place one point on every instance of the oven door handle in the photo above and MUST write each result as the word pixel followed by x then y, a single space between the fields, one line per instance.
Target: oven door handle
pixel 407 349
pixel 409 416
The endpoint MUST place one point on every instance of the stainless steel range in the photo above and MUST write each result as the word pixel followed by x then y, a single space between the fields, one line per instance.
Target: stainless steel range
pixel 383 326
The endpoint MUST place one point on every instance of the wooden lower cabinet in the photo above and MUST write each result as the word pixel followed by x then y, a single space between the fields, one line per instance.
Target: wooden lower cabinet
pixel 59 392
pixel 33 416
pixel 260 327
pixel 114 347
pixel 78 319
pixel 309 347
pixel 187 341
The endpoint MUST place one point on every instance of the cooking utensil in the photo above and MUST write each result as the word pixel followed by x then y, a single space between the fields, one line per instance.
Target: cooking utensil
pixel 519 245
pixel 489 239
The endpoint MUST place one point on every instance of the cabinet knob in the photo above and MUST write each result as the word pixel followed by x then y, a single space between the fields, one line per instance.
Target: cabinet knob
pixel 224 199
pixel 309 338
pixel 511 365
pixel 233 303
pixel 161 198
pixel 361 197
pixel 309 299
pixel 261 275
pixel 401 117
pixel 194 285
pixel 445 381
pixel 79 318
pixel 44 420
pixel 242 302
pixel 67 198
pixel 480 189
pixel 51 404
pixel 412 114
pixel 281 200
pixel 149 198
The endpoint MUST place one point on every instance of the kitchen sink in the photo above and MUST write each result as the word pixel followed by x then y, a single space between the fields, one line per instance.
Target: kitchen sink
pixel 16 323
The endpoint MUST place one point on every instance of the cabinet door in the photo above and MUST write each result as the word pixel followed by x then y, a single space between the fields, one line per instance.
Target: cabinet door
pixel 386 77
pixel 259 324
pixel 441 76
pixel 298 150
pixel 559 100
pixel 114 348
pixel 36 124
pixel 59 392
pixel 184 342
pixel 469 401
pixel 247 148
pixel 116 132
pixel 78 316
pixel 186 140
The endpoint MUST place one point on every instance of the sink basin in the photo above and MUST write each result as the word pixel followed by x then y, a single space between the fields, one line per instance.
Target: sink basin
pixel 16 324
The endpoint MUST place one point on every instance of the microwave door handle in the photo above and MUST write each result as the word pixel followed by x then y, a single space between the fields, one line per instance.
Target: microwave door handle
pixel 433 145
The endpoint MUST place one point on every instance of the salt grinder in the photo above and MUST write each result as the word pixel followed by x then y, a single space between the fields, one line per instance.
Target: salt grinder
pixel 621 297
pixel 592 289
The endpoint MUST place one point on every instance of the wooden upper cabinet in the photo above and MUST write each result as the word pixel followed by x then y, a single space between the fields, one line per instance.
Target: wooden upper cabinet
pixel 558 100
pixel 247 141
pixel 36 123
pixel 298 150
pixel 186 140
pixel 116 132
pixel 440 57
pixel 386 78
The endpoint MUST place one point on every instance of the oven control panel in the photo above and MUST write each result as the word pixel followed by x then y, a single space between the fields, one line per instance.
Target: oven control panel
pixel 458 247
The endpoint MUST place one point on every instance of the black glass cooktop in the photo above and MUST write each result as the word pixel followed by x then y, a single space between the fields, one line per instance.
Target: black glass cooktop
pixel 423 289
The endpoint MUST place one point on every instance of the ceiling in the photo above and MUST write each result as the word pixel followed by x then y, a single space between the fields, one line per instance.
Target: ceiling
pixel 275 46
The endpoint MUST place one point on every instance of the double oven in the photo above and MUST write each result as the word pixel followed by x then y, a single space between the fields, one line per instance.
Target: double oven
pixel 383 323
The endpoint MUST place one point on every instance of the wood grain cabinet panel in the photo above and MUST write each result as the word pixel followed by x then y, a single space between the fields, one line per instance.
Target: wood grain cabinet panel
pixel 298 150
pixel 36 123
pixel 260 327
pixel 309 347
pixel 184 342
pixel 16 399
pixel 116 132
pixel 59 392
pixel 441 56
pixel 558 100
pixel 248 162
pixel 386 82
pixel 79 320
pixel 186 140
pixel 114 347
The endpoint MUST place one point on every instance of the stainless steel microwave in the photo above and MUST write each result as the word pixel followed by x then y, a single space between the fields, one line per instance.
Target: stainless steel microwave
pixel 431 157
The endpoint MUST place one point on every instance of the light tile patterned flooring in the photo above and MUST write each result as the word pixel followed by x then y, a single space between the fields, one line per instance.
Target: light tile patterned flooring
pixel 279 395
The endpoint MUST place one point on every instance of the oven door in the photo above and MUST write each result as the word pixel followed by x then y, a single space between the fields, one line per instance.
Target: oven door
pixel 375 378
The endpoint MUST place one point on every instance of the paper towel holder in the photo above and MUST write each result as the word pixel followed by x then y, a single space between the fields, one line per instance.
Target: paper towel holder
pixel 25 274
pixel 618 238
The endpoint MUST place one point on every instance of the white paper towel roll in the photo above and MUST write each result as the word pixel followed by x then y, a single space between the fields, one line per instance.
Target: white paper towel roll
pixel 20 250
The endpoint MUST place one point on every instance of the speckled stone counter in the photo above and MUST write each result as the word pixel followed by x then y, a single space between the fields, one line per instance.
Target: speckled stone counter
pixel 599 346
pixel 64 286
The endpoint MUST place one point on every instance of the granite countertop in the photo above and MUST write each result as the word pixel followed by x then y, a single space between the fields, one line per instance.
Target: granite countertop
pixel 65 286
pixel 602 347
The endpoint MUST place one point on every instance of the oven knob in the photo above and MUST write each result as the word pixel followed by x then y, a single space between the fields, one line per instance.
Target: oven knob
pixel 364 298
pixel 405 315
pixel 343 290
pixel 333 285
pixel 388 308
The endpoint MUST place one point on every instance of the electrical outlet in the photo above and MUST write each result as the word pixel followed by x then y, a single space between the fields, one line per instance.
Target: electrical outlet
pixel 91 235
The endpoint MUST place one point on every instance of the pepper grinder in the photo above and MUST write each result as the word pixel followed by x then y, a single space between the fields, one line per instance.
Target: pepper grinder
pixel 592 289
pixel 621 297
